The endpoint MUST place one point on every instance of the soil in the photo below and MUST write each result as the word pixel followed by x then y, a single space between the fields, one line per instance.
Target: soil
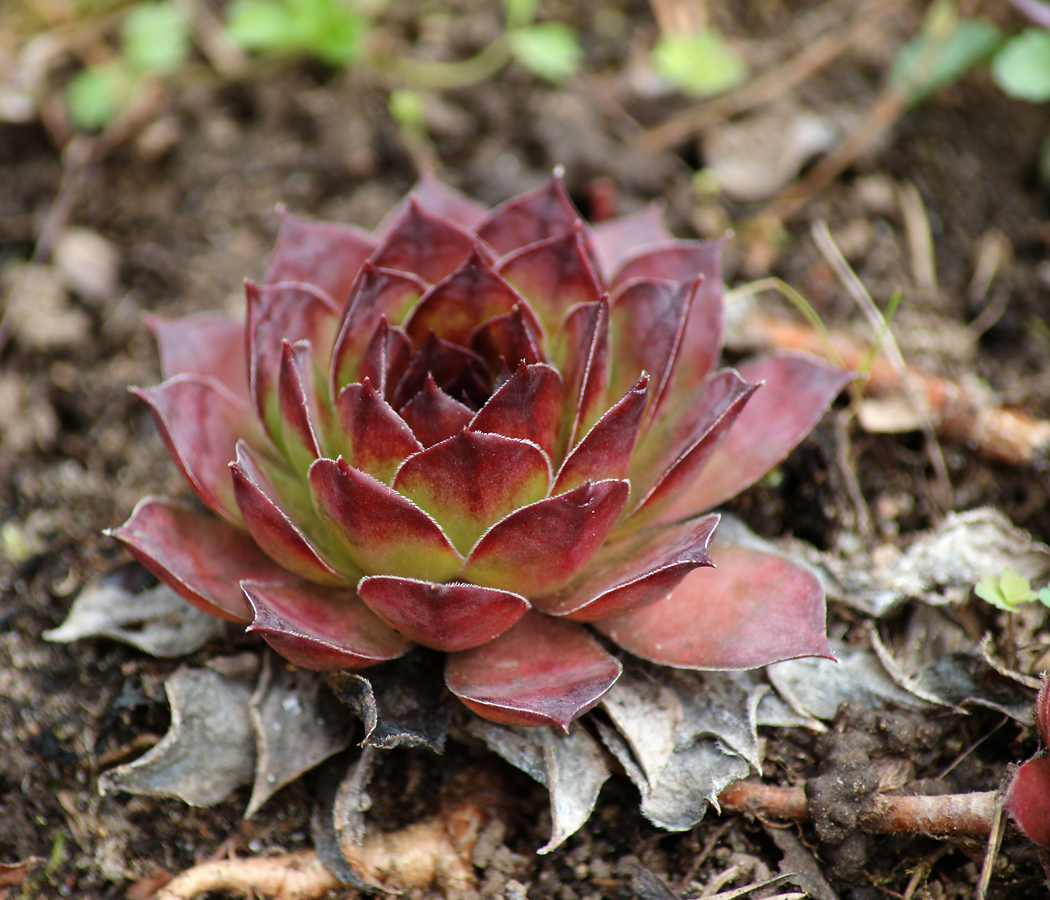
pixel 189 203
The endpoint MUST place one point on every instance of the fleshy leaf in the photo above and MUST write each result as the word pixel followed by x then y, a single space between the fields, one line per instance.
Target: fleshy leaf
pixel 297 432
pixel 434 416
pixel 200 557
pixel 606 449
pixel 472 480
pixel 376 439
pixel 539 549
pixel 384 533
pixel 209 344
pixel 752 610
pixel 445 617
pixel 535 216
pixel 425 245
pixel 798 391
pixel 630 574
pixel 582 349
pixel 1028 800
pixel 528 406
pixel 450 365
pixel 617 239
pixel 321 628
pixel 452 309
pixel 554 275
pixel 541 672
pixel 438 198
pixel 324 254
pixel 512 339
pixel 378 294
pixel 386 359
pixel 200 423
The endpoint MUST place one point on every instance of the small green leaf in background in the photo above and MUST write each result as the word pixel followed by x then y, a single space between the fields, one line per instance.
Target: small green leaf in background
pixel 155 38
pixel 96 95
pixel 1044 596
pixel 1008 591
pixel 932 61
pixel 1022 67
pixel 406 108
pixel 519 13
pixel 548 49
pixel 331 30
pixel 699 64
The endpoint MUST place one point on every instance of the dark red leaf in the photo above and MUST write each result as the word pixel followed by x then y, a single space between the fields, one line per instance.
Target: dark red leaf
pixel 208 344
pixel 617 239
pixel 376 439
pixel 528 406
pixel 1028 800
pixel 384 533
pixel 386 359
pixel 448 364
pixel 543 671
pixel 509 340
pixel 297 433
pixel 541 548
pixel 433 415
pixel 321 628
pixel 438 198
pixel 581 351
pixel 445 617
pixel 425 245
pixel 535 216
pixel 752 610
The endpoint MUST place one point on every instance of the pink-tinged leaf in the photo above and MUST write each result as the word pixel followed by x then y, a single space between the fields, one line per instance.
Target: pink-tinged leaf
pixel 324 254
pixel 528 406
pixel 617 239
pixel 321 628
pixel 446 617
pixel 541 548
pixel 647 320
pixel 386 358
pixel 630 574
pixel 510 339
pixel 279 313
pixel 1028 800
pixel 686 261
pixel 376 439
pixel 425 245
pixel 196 555
pixel 297 432
pixel 437 198
pixel 678 453
pixel 433 415
pixel 606 450
pixel 554 275
pixel 452 309
pixel 796 394
pixel 472 480
pixel 200 422
pixel 543 671
pixel 752 610
pixel 275 533
pixel 378 295
pixel 208 344
pixel 535 216
pixel 581 348
pixel 450 365
pixel 384 533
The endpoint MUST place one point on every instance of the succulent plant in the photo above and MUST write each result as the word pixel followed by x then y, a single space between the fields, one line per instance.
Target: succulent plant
pixel 1028 794
pixel 492 433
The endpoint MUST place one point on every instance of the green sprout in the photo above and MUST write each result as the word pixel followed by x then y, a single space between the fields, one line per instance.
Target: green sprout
pixel 1009 591
pixel 699 64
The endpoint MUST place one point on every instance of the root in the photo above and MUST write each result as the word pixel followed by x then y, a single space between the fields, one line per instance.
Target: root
pixel 294 876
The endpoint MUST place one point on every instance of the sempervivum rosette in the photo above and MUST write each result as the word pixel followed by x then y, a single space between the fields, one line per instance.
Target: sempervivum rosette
pixel 486 432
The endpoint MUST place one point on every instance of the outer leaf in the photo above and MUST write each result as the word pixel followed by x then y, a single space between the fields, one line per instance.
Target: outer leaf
pixel 207 344
pixel 434 416
pixel 1028 800
pixel 535 216
pixel 425 245
pixel 321 628
pixel 798 392
pixel 539 549
pixel 541 672
pixel 197 555
pixel 438 198
pixel 323 254
pixel 376 439
pixel 617 239
pixel 528 406
pixel 384 533
pixel 472 480
pixel 445 617
pixel 582 346
pixel 200 422
pixel 753 610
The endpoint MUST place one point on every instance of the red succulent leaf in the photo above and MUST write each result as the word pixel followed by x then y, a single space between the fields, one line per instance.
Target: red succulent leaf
pixel 379 296
pixel 582 347
pixel 376 439
pixel 425 245
pixel 445 617
pixel 617 239
pixel 386 359
pixel 554 275
pixel 605 451
pixel 323 254
pixel 272 529
pixel 200 422
pixel 540 548
pixel 437 198
pixel 383 532
pixel 797 393
pixel 450 365
pixel 207 344
pixel 628 575
pixel 452 309
pixel 200 557
pixel 509 339
pixel 321 628
pixel 752 610
pixel 535 216
pixel 434 416
pixel 472 480
pixel 527 405
pixel 541 672
pixel 1028 800
pixel 297 433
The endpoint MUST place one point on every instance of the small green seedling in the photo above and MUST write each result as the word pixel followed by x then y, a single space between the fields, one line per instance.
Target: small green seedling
pixel 1009 591
pixel 699 64
pixel 330 30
